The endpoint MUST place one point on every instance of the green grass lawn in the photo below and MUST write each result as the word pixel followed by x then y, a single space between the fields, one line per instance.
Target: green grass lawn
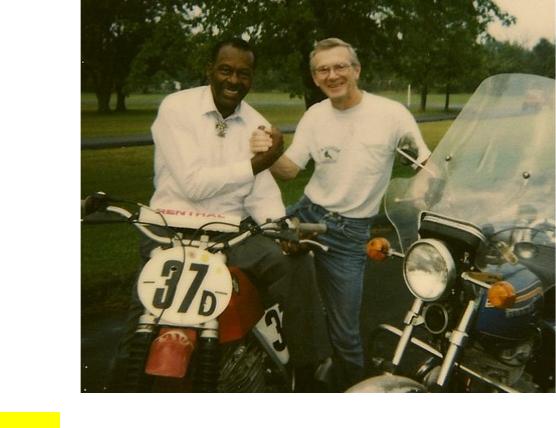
pixel 109 253
pixel 278 108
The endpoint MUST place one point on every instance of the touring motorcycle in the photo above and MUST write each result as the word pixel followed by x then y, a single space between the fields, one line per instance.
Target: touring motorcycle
pixel 204 326
pixel 476 233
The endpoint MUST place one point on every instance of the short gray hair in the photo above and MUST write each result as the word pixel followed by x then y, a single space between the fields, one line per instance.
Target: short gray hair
pixel 330 43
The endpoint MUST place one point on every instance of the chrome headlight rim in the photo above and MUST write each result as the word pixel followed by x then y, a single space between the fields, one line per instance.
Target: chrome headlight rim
pixel 446 256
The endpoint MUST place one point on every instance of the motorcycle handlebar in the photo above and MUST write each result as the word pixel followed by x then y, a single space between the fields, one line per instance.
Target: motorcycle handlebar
pixel 100 200
pixel 93 203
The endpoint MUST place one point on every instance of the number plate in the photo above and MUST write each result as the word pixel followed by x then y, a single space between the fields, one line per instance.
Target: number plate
pixel 270 326
pixel 185 285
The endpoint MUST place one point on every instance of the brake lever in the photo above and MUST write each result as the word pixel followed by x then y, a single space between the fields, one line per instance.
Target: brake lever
pixel 314 243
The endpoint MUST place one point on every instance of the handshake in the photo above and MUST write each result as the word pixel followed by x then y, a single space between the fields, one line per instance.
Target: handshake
pixel 267 146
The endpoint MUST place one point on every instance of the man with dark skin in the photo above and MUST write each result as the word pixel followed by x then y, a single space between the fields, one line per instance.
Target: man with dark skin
pixel 231 77
pixel 203 163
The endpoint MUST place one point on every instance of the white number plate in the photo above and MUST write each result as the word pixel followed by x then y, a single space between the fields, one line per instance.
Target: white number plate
pixel 270 326
pixel 185 285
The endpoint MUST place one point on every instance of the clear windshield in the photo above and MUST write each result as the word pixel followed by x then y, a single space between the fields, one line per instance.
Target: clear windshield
pixel 494 167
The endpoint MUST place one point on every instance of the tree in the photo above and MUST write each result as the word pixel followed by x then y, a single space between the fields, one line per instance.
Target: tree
pixel 438 41
pixel 428 41
pixel 113 33
pixel 170 54
pixel 506 57
pixel 284 32
pixel 542 58
pixel 128 43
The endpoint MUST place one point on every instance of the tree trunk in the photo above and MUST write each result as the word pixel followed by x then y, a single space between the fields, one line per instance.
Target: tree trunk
pixel 120 101
pixel 447 100
pixel 424 93
pixel 312 96
pixel 103 92
pixel 311 93
pixel 103 101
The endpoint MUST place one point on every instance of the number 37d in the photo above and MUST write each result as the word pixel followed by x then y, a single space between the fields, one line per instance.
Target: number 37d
pixel 172 270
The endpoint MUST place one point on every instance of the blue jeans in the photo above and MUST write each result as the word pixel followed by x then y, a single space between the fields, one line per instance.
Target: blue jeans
pixel 340 273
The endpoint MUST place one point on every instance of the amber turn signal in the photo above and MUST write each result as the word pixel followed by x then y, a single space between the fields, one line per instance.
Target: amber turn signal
pixel 378 249
pixel 501 295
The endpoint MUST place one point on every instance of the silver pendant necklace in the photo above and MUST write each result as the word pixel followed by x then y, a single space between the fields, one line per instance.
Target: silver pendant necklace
pixel 221 127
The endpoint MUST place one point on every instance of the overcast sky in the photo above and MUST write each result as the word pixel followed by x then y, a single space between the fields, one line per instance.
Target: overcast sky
pixel 535 19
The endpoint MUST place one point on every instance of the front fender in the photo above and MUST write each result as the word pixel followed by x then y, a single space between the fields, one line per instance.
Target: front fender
pixel 388 383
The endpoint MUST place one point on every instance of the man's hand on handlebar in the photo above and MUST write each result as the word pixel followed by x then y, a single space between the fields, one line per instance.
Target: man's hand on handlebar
pixel 306 235
pixel 296 247
pixel 93 203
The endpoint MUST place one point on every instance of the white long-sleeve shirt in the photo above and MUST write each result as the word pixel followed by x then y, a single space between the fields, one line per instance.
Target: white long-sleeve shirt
pixel 198 170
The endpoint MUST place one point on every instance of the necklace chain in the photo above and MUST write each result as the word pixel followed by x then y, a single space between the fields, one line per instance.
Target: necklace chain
pixel 221 126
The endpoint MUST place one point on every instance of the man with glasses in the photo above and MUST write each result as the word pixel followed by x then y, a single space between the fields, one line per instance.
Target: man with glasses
pixel 352 137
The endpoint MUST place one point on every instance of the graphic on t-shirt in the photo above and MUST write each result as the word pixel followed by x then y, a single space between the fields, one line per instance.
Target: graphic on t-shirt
pixel 329 154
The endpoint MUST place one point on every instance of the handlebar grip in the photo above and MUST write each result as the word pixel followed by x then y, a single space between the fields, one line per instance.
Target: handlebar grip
pixel 93 203
pixel 312 227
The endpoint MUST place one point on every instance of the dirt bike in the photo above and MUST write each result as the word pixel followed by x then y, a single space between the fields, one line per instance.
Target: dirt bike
pixel 477 236
pixel 204 327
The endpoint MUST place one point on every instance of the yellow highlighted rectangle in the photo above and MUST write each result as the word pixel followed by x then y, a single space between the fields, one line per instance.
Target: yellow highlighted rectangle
pixel 30 419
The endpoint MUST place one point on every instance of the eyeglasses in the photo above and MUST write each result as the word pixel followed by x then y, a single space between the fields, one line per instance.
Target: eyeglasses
pixel 325 70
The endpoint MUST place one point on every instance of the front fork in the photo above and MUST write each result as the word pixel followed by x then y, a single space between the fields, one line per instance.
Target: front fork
pixel 412 318
pixel 207 369
pixel 457 339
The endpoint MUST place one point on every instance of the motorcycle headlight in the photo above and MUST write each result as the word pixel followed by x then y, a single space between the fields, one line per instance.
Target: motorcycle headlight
pixel 428 269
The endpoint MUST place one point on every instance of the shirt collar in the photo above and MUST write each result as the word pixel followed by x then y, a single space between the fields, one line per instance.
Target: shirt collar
pixel 208 106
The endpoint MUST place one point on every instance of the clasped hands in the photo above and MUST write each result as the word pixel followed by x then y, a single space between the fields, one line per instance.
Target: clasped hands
pixel 267 146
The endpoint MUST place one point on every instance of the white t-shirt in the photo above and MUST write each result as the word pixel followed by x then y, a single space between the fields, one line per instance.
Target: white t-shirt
pixel 197 170
pixel 353 151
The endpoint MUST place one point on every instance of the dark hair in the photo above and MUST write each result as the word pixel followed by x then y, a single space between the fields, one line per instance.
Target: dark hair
pixel 234 42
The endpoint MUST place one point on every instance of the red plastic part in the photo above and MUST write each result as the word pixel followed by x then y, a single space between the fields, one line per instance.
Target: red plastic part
pixel 244 310
pixel 171 351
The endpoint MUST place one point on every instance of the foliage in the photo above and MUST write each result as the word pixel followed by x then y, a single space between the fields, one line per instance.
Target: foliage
pixel 426 42
pixel 438 42
pixel 114 33
pixel 148 46
pixel 288 30
pixel 542 58
pixel 507 57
